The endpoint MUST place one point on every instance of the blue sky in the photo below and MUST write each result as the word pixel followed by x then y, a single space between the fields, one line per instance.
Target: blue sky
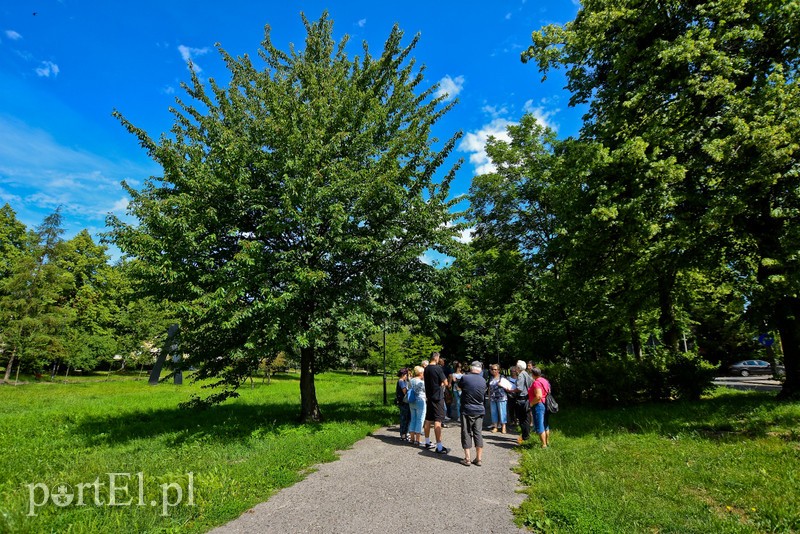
pixel 65 65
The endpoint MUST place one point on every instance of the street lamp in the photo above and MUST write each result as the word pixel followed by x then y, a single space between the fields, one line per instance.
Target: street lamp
pixel 385 400
pixel 497 341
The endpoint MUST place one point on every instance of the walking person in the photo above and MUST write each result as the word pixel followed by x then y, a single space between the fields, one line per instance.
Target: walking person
pixel 538 393
pixel 523 405
pixel 400 391
pixel 417 408
pixel 498 387
pixel 473 391
pixel 435 382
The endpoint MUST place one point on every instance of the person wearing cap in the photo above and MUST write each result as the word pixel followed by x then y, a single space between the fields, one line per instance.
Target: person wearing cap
pixel 473 391
pixel 400 399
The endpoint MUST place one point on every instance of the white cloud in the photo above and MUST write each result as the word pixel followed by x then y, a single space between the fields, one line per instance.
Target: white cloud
pixel 189 54
pixel 543 116
pixel 168 90
pixel 47 68
pixel 119 206
pixel 362 23
pixel 466 235
pixel 9 198
pixel 508 16
pixel 494 111
pixel 475 142
pixel 14 36
pixel 450 87
pixel 38 174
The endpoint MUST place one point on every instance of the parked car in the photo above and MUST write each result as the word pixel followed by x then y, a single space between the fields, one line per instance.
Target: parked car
pixel 750 367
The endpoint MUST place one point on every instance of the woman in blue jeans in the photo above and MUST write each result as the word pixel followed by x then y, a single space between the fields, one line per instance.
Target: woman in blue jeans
pixel 417 407
pixel 538 393
pixel 400 398
pixel 498 398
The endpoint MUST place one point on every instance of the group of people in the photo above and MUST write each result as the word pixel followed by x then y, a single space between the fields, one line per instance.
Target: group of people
pixel 442 393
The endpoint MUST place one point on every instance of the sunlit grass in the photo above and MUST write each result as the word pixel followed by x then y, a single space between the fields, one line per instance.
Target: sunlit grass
pixel 238 454
pixel 730 463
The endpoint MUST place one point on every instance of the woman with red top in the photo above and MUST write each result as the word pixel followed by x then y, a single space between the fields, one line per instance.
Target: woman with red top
pixel 537 394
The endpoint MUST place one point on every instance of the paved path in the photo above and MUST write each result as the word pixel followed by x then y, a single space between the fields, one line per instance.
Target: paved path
pixel 384 485
pixel 758 383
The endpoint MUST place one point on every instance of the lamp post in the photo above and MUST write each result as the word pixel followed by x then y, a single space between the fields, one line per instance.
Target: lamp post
pixel 385 400
pixel 497 341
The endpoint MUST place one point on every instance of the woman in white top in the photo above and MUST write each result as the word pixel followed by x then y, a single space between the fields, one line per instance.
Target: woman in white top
pixel 498 397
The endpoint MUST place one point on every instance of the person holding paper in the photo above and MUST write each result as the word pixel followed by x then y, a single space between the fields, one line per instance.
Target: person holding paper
pixel 499 387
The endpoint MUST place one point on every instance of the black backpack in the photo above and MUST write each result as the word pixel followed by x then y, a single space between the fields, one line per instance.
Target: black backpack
pixel 399 397
pixel 550 403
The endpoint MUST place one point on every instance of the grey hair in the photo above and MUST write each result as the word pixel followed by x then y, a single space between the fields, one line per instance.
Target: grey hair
pixel 476 367
pixel 536 372
pixel 521 365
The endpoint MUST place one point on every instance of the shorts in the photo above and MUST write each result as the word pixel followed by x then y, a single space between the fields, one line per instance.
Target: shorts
pixel 541 419
pixel 435 411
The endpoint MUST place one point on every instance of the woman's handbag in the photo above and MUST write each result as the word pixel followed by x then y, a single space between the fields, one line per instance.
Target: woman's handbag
pixel 448 396
pixel 550 403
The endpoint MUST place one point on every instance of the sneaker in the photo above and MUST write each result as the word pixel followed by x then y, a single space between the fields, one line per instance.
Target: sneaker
pixel 443 450
pixel 428 445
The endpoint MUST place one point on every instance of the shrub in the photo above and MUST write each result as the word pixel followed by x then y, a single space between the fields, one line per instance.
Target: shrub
pixel 622 379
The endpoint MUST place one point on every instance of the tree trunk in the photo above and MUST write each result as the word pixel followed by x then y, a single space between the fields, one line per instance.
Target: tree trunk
pixel 309 409
pixel 8 367
pixel 666 320
pixel 788 323
pixel 568 332
pixel 635 340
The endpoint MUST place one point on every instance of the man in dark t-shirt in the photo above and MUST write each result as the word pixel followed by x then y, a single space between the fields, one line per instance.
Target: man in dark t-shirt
pixel 435 380
pixel 473 391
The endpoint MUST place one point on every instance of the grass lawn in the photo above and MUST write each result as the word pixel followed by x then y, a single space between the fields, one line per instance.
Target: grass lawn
pixel 238 454
pixel 729 463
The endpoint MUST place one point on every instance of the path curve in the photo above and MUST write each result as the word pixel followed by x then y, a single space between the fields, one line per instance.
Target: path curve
pixel 385 485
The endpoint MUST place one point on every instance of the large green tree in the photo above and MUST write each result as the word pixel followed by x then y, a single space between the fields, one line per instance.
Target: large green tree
pixel 90 339
pixel 295 204
pixel 33 310
pixel 699 105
